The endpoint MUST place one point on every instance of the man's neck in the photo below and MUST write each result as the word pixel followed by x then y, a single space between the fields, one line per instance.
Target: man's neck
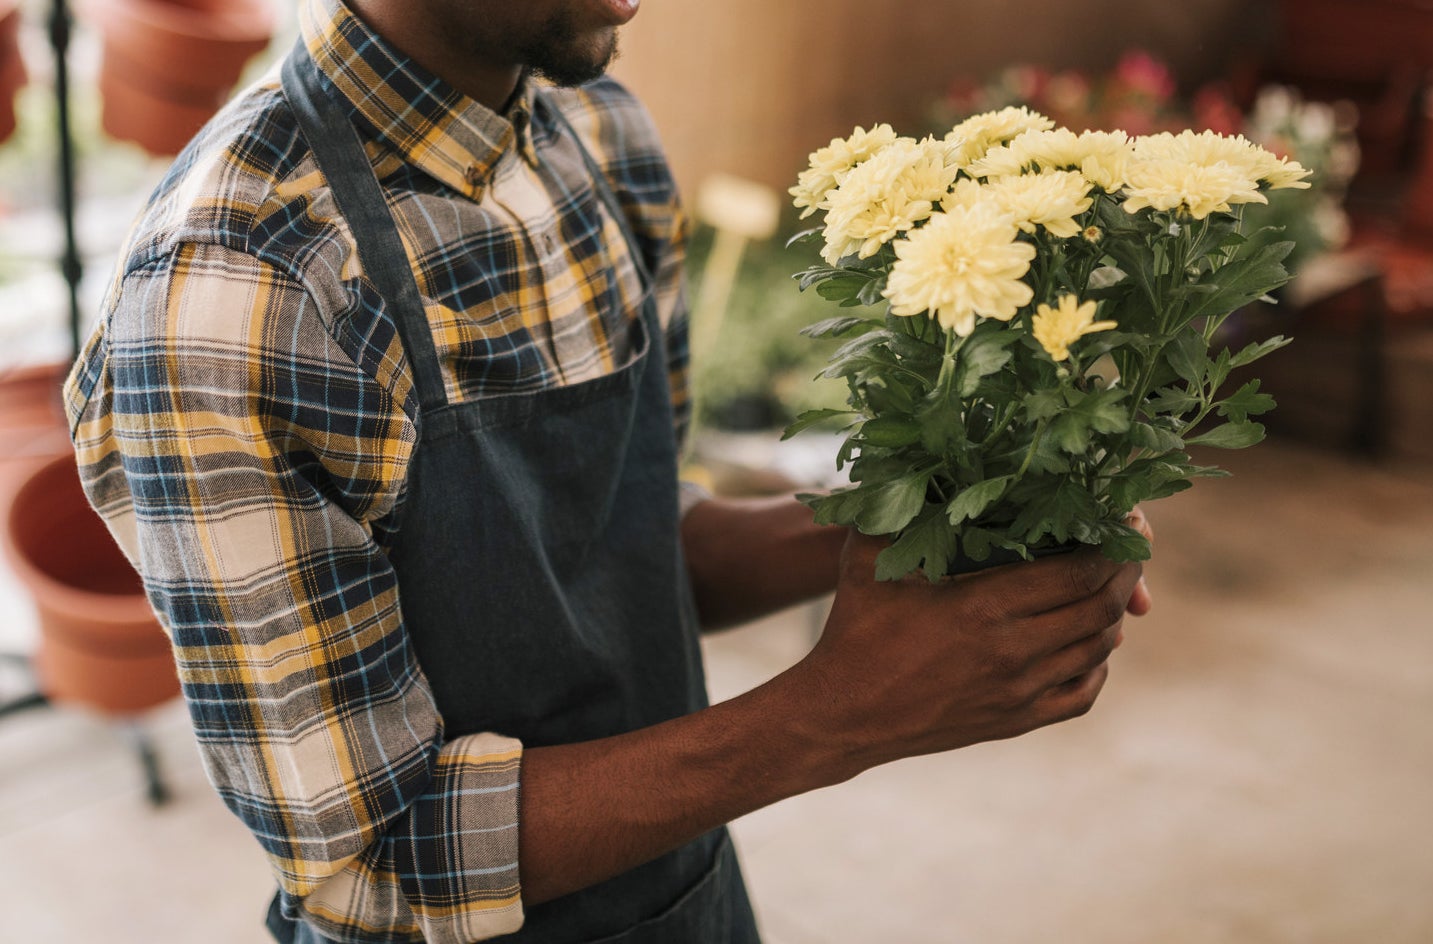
pixel 410 28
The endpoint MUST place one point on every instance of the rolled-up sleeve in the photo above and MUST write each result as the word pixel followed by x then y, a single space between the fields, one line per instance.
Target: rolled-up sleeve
pixel 250 460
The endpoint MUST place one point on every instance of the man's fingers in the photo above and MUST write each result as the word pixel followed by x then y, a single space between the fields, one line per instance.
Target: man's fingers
pixel 1140 601
pixel 1138 520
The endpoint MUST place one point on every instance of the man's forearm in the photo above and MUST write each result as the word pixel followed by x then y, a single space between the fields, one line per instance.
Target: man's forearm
pixel 751 557
pixel 593 810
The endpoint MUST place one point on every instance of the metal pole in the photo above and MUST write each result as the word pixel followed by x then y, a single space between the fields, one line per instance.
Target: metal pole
pixel 70 265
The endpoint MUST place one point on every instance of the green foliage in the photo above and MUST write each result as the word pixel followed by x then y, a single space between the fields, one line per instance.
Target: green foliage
pixel 965 445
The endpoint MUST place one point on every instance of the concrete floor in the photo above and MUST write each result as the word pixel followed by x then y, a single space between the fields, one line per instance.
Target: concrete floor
pixel 1258 771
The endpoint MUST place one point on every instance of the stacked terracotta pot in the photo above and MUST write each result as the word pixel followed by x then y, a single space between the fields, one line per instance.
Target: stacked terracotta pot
pixel 168 65
pixel 12 65
pixel 100 646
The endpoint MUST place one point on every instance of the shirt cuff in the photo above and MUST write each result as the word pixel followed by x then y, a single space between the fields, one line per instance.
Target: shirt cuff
pixel 468 886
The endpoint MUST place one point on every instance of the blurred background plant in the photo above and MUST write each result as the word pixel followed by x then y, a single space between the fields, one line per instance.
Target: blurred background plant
pixel 759 372
pixel 1140 95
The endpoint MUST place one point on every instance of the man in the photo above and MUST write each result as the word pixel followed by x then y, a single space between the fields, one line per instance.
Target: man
pixel 385 405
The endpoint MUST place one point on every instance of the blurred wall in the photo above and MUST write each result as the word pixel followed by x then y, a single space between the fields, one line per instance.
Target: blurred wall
pixel 750 87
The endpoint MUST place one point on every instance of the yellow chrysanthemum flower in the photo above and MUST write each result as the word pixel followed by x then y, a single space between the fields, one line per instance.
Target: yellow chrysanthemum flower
pixel 1285 174
pixel 1059 327
pixel 830 164
pixel 1208 148
pixel 1102 156
pixel 964 264
pixel 977 134
pixel 886 196
pixel 1105 158
pixel 1051 199
pixel 965 193
pixel 1190 188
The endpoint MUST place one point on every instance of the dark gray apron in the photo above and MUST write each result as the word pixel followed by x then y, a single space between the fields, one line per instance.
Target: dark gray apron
pixel 539 563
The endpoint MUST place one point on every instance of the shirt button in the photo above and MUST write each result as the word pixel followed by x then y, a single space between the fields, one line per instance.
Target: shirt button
pixel 549 243
pixel 473 175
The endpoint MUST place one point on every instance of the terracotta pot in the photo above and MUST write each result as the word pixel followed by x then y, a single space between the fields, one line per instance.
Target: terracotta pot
pixel 12 65
pixel 100 645
pixel 168 65
pixel 32 418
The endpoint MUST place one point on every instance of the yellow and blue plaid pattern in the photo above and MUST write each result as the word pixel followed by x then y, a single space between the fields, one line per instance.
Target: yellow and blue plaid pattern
pixel 244 418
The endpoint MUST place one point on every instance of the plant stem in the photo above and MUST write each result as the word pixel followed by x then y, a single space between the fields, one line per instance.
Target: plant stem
pixel 1030 453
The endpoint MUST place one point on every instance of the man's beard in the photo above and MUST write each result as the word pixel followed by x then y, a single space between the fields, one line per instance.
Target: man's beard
pixel 559 56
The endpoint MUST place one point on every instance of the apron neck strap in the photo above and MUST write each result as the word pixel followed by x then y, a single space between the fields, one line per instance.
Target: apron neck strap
pixel 340 156
pixel 606 194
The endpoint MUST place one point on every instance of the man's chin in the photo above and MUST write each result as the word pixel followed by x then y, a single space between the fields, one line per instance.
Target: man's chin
pixel 576 69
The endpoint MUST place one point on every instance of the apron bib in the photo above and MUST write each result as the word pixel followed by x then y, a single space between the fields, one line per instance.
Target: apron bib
pixel 538 559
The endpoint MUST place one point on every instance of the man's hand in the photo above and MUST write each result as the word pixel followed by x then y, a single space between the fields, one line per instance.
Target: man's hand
pixel 752 556
pixel 901 669
pixel 1140 602
pixel 914 668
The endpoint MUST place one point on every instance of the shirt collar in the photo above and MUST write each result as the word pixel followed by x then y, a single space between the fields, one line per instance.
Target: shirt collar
pixel 432 125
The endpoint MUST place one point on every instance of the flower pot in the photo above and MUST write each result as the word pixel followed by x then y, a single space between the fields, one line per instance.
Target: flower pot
pixel 32 418
pixel 100 645
pixel 168 65
pixel 999 557
pixel 12 65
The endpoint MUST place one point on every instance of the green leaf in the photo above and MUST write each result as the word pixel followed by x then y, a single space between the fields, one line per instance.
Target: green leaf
pixel 1246 402
pixel 866 352
pixel 977 543
pixel 1172 401
pixel 972 501
pixel 891 393
pixel 891 431
pixel 839 507
pixel 1121 543
pixel 1073 510
pixel 1206 472
pixel 981 356
pixel 1154 438
pixel 1188 355
pixel 812 418
pixel 1230 436
pixel 914 352
pixel 872 293
pixel 1219 370
pixel 1256 271
pixel 837 327
pixel 1070 432
pixel 890 507
pixel 942 429
pixel 806 235
pixel 813 274
pixel 843 289
pixel 1146 480
pixel 1044 404
pixel 929 542
pixel 1257 350
pixel 1140 265
pixel 1097 412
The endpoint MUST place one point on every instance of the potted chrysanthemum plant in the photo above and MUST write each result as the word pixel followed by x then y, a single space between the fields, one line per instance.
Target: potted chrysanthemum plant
pixel 1031 329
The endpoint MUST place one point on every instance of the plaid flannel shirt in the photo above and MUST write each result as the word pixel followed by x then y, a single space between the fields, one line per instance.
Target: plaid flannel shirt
pixel 244 421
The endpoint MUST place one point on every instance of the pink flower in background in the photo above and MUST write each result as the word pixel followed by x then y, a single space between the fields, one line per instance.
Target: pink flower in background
pixel 1067 98
pixel 1141 74
pixel 1215 109
pixel 1026 83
